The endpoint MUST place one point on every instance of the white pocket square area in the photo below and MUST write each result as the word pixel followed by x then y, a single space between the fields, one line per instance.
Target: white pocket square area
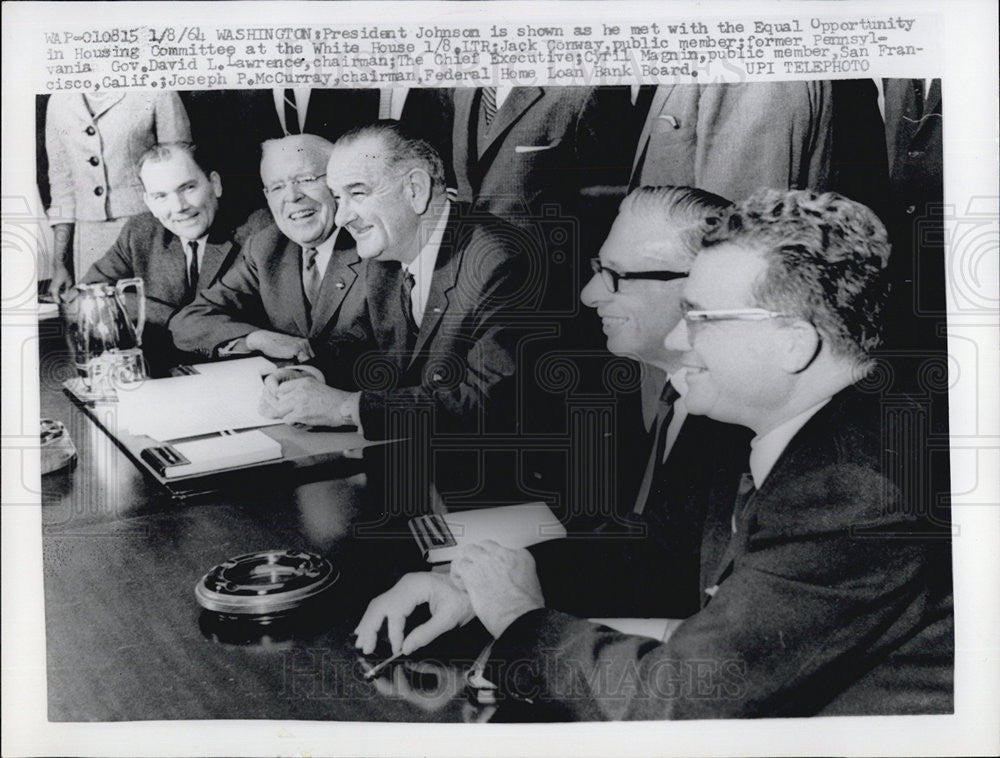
pixel 533 148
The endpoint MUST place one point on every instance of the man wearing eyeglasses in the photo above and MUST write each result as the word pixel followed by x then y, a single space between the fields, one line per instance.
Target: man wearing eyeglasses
pixel 826 580
pixel 296 279
pixel 444 288
pixel 645 560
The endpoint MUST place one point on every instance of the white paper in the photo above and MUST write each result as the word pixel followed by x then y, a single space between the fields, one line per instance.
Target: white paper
pixel 186 406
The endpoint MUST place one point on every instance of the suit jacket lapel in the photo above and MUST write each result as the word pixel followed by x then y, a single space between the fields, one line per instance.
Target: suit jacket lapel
pixel 216 254
pixel 105 104
pixel 290 284
pixel 340 275
pixel 515 106
pixel 655 107
pixel 449 259
pixel 171 270
pixel 384 281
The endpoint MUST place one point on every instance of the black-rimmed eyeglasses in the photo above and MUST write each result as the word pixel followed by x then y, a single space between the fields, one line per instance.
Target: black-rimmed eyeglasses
pixel 611 278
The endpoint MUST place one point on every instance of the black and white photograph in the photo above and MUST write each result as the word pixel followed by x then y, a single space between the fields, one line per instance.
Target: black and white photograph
pixel 640 391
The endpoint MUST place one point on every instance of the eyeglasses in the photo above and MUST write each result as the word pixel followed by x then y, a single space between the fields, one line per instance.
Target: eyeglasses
pixel 611 278
pixel 696 317
pixel 304 181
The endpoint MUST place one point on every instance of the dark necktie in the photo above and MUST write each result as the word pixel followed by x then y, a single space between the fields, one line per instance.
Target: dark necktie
pixel 664 415
pixel 744 494
pixel 291 113
pixel 489 105
pixel 312 277
pixel 193 268
pixel 406 301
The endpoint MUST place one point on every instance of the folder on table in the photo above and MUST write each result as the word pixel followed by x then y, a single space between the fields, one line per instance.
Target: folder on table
pixel 210 454
pixel 441 537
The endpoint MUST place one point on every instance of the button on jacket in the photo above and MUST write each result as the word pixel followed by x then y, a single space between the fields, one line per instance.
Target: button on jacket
pixel 92 158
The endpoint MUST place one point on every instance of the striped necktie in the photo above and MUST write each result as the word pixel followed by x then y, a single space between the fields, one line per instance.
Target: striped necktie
pixel 489 105
pixel 291 113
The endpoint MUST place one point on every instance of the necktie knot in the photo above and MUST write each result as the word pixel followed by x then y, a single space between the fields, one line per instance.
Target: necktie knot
pixel 669 395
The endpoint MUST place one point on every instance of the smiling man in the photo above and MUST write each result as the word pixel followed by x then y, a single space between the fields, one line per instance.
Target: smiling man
pixel 177 248
pixel 442 286
pixel 296 279
pixel 826 574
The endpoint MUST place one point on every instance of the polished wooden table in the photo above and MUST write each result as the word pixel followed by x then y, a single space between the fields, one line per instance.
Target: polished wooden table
pixel 125 637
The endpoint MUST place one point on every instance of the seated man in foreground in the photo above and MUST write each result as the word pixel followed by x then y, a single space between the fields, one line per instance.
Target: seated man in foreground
pixel 643 559
pixel 295 279
pixel 177 248
pixel 442 291
pixel 826 577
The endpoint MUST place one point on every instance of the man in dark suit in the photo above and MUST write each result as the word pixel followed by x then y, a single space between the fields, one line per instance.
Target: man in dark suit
pixel 643 559
pixel 913 136
pixel 177 248
pixel 296 278
pixel 442 289
pixel 826 580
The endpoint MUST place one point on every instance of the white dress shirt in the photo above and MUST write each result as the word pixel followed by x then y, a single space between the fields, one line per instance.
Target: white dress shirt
pixel 422 267
pixel 765 451
pixel 324 251
pixel 186 247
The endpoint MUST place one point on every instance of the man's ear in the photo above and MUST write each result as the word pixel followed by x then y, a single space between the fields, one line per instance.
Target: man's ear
pixel 801 344
pixel 216 181
pixel 418 189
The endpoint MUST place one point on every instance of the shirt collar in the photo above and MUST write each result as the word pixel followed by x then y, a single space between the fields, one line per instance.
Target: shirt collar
pixel 422 267
pixel 325 247
pixel 765 451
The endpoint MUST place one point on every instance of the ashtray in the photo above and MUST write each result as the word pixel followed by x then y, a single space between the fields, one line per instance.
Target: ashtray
pixel 265 586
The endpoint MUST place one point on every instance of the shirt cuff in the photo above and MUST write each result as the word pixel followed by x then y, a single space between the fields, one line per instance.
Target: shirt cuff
pixel 237 346
pixel 350 409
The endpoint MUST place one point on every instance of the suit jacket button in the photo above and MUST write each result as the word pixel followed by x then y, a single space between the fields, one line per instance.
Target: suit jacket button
pixel 93 160
pixel 98 191
pixel 91 131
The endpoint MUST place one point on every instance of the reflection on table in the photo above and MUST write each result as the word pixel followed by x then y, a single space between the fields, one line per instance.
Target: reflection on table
pixel 126 639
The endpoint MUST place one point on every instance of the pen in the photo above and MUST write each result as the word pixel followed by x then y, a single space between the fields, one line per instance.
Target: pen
pixel 374 670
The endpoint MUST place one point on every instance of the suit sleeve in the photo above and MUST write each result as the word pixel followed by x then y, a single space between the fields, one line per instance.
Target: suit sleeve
pixel 120 262
pixel 172 124
pixel 471 382
pixel 229 309
pixel 750 136
pixel 812 605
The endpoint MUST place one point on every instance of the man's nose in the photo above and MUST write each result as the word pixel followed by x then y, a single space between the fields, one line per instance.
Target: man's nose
pixel 679 339
pixel 344 213
pixel 177 202
pixel 594 292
